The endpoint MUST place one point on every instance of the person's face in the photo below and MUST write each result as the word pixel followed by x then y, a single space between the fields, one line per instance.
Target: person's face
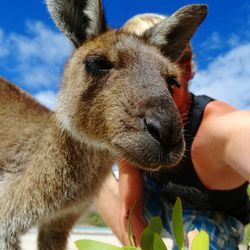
pixel 181 95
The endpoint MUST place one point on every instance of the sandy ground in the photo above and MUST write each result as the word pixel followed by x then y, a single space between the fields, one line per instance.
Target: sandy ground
pixel 28 241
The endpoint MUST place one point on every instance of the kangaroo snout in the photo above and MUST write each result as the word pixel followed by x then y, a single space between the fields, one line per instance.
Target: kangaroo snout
pixel 163 126
pixel 166 133
pixel 158 140
pixel 161 120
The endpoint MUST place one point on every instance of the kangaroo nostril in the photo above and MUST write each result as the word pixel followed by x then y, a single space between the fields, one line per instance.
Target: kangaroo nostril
pixel 153 130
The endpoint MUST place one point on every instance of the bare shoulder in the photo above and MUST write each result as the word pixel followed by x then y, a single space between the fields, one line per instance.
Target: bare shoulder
pixel 224 118
pixel 220 121
pixel 217 108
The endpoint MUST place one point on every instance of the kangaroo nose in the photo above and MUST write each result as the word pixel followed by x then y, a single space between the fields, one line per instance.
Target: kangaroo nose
pixel 165 134
pixel 152 129
pixel 161 121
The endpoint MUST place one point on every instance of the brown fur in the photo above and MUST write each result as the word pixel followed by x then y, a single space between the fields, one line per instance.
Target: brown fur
pixel 53 163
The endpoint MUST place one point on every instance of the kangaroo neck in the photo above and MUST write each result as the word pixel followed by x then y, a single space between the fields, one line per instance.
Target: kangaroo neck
pixel 78 153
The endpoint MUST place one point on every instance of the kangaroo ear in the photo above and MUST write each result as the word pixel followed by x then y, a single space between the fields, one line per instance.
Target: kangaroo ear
pixel 79 20
pixel 173 34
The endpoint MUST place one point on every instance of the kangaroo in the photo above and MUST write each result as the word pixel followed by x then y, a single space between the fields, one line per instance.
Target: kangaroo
pixel 114 101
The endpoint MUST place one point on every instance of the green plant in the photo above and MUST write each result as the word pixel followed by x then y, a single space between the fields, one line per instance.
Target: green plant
pixel 178 224
pixel 246 238
pixel 94 219
pixel 151 239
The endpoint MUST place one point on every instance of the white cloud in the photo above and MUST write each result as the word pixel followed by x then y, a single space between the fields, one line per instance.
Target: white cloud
pixel 3 50
pixel 234 40
pixel 227 78
pixel 36 58
pixel 213 42
pixel 47 98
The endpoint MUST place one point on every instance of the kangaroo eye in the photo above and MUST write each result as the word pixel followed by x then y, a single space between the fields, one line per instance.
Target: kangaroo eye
pixel 97 65
pixel 173 82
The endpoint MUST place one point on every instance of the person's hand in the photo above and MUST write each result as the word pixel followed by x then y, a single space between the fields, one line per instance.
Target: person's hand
pixel 131 197
pixel 138 224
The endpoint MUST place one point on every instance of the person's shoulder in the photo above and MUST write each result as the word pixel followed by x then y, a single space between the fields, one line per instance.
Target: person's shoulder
pixel 223 110
pixel 214 122
pixel 217 108
pixel 220 123
pixel 221 119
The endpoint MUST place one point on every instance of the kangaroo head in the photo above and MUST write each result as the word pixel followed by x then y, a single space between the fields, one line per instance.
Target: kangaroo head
pixel 116 90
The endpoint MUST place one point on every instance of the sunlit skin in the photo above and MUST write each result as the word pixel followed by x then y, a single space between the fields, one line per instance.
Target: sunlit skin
pixel 181 95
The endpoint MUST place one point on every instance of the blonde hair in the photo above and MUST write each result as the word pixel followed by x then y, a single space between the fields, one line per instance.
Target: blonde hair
pixel 140 23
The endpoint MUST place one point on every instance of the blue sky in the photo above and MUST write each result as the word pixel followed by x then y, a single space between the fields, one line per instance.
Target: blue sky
pixel 33 51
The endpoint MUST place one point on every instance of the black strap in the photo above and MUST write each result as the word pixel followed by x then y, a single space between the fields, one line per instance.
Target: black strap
pixel 198 105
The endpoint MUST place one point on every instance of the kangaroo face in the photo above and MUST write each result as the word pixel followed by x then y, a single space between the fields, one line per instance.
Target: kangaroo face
pixel 116 87
pixel 116 95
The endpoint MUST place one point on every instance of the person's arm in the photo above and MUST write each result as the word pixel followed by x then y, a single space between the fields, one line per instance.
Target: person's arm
pixel 131 194
pixel 237 150
pixel 222 146
pixel 115 199
pixel 107 203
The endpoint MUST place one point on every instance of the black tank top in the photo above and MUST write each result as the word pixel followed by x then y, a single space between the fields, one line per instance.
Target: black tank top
pixel 183 181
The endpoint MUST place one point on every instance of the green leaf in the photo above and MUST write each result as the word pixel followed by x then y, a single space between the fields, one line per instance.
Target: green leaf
pixel 147 239
pixel 94 245
pixel 178 224
pixel 155 224
pixel 158 243
pixel 201 241
pixel 151 240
